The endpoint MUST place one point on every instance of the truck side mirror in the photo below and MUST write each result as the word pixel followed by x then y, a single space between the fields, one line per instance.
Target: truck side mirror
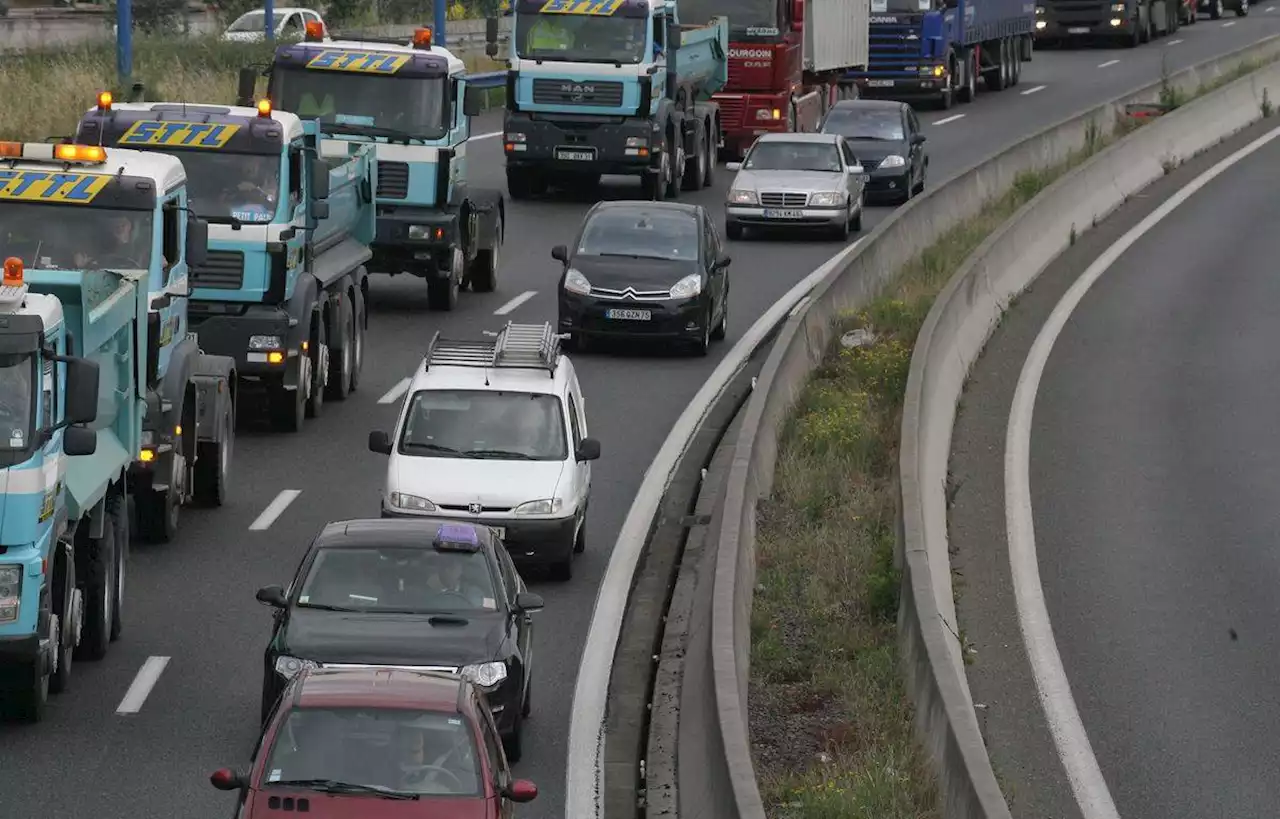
pixel 81 406
pixel 247 87
pixel 197 241
pixel 674 36
pixel 473 100
pixel 319 210
pixel 320 178
pixel 491 36
pixel 78 441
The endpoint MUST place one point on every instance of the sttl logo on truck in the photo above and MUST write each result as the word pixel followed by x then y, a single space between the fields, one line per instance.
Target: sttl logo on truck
pixel 52 186
pixel 359 62
pixel 178 134
pixel 750 54
pixel 600 7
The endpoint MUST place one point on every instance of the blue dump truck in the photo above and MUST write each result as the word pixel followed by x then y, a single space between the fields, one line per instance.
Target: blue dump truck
pixel 284 286
pixel 612 87
pixel 937 49
pixel 413 102
pixel 96 244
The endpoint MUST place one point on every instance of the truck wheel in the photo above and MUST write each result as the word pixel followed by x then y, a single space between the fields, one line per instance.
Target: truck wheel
pixel 1216 10
pixel 29 695
pixel 319 368
pixel 213 464
pixel 357 308
pixel 158 511
pixel 997 77
pixel 442 294
pixel 118 508
pixel 70 616
pixel 1243 9
pixel 947 97
pixel 343 361
pixel 675 168
pixel 653 184
pixel 970 88
pixel 99 594
pixel 286 407
pixel 519 185
pixel 695 169
pixel 484 270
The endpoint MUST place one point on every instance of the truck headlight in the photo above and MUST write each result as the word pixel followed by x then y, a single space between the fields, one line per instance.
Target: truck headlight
pixel 411 503
pixel 1118 8
pixel 485 675
pixel 266 343
pixel 288 667
pixel 10 592
pixel 768 113
pixel 826 200
pixel 425 232
pixel 575 282
pixel 893 161
pixel 546 506
pixel 637 142
pixel 737 197
pixel 514 138
pixel 688 287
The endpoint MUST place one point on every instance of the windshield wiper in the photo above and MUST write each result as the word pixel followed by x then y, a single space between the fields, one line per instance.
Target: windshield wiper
pixel 431 447
pixel 326 607
pixel 498 453
pixel 447 620
pixel 634 256
pixel 336 786
pixel 235 223
pixel 367 130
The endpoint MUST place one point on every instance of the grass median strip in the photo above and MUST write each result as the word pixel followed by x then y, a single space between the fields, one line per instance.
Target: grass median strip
pixel 831 722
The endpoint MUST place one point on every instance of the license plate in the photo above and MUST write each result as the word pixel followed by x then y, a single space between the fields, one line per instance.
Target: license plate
pixel 629 315
pixel 576 156
pixel 783 214
pixel 879 83
pixel 1078 30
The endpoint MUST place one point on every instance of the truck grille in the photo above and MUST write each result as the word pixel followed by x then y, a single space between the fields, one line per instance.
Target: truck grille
pixel 784 200
pixel 731 112
pixel 566 92
pixel 393 180
pixel 222 270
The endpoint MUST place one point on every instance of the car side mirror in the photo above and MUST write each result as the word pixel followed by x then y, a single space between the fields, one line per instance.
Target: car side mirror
pixel 79 441
pixel 246 87
pixel 473 101
pixel 319 178
pixel 918 139
pixel 857 169
pixel 380 442
pixel 81 406
pixel 225 779
pixel 197 241
pixel 521 790
pixel 528 601
pixel 733 166
pixel 560 253
pixel 588 450
pixel 272 596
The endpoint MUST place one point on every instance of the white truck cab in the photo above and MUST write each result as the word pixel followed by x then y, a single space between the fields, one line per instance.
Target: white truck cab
pixel 495 432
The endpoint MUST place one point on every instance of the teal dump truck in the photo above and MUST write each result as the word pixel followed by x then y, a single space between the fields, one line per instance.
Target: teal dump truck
pixel 284 287
pixel 87 236
pixel 612 87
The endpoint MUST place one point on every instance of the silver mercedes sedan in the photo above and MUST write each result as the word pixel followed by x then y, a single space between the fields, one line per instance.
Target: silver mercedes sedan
pixel 797 181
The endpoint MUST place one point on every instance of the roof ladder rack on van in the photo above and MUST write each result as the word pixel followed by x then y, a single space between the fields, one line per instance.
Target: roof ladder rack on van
pixel 515 346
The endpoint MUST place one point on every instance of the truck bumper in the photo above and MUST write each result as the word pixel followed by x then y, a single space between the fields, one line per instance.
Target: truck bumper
pixel 1098 24
pixel 622 148
pixel 240 333
pixel 21 656
pixel 418 240
pixel 899 87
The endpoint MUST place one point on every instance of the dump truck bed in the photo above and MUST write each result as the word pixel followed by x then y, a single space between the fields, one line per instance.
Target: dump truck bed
pixel 352 213
pixel 702 61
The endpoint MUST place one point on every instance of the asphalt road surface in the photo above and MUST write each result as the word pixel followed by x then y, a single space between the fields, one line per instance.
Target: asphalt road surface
pixel 192 601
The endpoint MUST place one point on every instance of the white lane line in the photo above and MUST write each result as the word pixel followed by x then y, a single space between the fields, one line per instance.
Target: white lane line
pixel 1107 63
pixel 1033 90
pixel 514 303
pixel 945 120
pixel 1229 24
pixel 275 509
pixel 489 135
pixel 1069 736
pixel 393 395
pixel 143 682
pixel 586 721
pixel 1173 42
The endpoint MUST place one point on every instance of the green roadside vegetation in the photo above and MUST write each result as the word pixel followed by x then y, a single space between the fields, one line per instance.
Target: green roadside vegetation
pixel 46 92
pixel 831 722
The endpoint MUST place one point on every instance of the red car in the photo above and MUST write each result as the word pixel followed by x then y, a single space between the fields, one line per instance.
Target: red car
pixel 378 743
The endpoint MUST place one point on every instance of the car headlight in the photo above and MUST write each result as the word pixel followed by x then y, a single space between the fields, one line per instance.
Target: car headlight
pixel 575 282
pixel 10 592
pixel 742 197
pixel 485 675
pixel 546 506
pixel 411 503
pixel 893 161
pixel 688 287
pixel 266 343
pixel 288 667
pixel 829 200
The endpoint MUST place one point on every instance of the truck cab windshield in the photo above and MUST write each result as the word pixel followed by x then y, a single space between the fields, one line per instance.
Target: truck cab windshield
pixel 742 14
pixel 580 38
pixel 17 401
pixel 242 186
pixel 414 106
pixel 901 6
pixel 63 237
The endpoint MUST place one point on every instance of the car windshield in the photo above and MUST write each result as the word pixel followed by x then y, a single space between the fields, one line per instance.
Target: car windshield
pixel 793 156
pixel 254 20
pixel 367 750
pixel 865 123
pixel 414 106
pixel 641 233
pixel 16 401
pixel 404 580
pixel 580 38
pixel 497 425
pixel 66 237
pixel 243 186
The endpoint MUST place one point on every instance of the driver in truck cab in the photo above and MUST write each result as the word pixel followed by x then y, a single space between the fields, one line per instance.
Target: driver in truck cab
pixel 253 197
pixel 121 247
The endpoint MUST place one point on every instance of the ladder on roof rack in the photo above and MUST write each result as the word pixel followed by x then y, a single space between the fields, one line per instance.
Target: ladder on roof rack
pixel 515 346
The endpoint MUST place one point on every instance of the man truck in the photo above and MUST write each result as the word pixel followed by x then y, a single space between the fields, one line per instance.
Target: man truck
pixel 612 87
pixel 284 286
pixel 96 245
pixel 787 59
pixel 938 49
pixel 1130 22
pixel 413 103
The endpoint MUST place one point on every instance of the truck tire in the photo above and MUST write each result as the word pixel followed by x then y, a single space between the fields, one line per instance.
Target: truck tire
pixel 213 463
pixel 713 151
pixel 342 360
pixel 997 77
pixel 28 695
pixel 675 168
pixel 1216 10
pixel 695 169
pixel 484 270
pixel 118 507
pixel 1243 9
pixel 947 97
pixel 362 319
pixel 319 367
pixel 159 511
pixel 969 90
pixel 654 183
pixel 287 408
pixel 69 614
pixel 99 593
pixel 442 294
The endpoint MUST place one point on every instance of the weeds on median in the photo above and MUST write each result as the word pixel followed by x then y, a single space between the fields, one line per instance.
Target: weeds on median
pixel 831 723
pixel 46 92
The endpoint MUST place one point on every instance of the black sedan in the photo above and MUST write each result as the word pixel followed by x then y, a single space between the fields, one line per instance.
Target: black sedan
pixel 885 137
pixel 653 270
pixel 425 594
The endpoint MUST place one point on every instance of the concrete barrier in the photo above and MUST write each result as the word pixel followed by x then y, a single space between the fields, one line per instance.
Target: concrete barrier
pixel 930 651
